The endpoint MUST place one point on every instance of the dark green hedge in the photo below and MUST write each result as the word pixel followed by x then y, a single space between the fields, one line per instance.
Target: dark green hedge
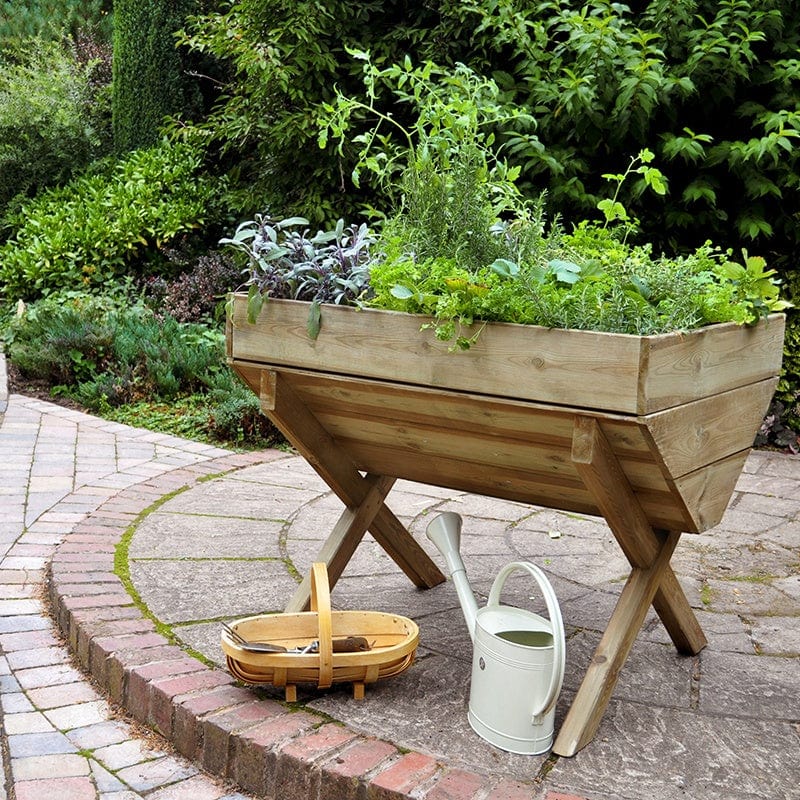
pixel 150 80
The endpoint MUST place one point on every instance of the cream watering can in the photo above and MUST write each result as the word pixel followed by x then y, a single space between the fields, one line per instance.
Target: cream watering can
pixel 518 656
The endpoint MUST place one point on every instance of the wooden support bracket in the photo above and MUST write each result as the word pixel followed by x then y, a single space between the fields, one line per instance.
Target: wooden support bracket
pixel 651 581
pixel 362 496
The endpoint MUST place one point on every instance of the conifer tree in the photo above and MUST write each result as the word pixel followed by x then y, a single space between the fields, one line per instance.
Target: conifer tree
pixel 150 80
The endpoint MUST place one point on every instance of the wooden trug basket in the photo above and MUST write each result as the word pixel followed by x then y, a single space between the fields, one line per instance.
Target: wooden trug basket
pixel 393 644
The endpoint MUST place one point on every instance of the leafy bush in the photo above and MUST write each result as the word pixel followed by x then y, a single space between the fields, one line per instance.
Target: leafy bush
pixel 88 233
pixel 711 87
pixel 101 351
pixel 52 120
pixel 150 76
pixel 282 62
pixel 20 21
pixel 122 361
pixel 196 294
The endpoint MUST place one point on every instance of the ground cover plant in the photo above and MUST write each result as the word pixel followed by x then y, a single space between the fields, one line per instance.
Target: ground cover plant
pixel 116 357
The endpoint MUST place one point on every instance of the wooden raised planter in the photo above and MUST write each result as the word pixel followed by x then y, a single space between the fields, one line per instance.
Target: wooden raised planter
pixel 650 432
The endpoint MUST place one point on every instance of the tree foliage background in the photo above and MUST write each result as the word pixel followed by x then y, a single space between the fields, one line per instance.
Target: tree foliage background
pixel 711 87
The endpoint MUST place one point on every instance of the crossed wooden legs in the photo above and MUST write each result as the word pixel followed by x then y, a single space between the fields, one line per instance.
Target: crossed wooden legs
pixel 651 581
pixel 362 496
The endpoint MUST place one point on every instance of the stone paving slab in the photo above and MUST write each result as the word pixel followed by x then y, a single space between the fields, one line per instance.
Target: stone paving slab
pixel 57 466
pixel 733 577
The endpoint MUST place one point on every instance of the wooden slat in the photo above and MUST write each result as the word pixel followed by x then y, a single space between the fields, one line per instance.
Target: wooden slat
pixel 545 365
pixel 508 484
pixel 707 491
pixel 681 368
pixel 580 369
pixel 458 412
pixel 705 431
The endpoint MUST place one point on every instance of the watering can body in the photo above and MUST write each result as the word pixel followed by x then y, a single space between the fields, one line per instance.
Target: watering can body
pixel 518 656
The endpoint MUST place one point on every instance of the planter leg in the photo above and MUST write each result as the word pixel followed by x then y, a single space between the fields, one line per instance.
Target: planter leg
pixel 603 476
pixel 651 581
pixel 343 540
pixel 363 496
pixel 589 705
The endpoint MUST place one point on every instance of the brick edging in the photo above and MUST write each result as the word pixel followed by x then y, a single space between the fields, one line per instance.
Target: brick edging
pixel 265 746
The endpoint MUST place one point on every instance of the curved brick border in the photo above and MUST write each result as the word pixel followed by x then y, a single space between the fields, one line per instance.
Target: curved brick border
pixel 266 747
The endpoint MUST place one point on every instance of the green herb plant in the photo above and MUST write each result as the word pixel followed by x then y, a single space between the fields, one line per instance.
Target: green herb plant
pixel 462 244
pixel 285 261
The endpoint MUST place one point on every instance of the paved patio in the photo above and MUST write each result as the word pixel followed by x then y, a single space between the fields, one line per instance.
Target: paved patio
pixel 207 535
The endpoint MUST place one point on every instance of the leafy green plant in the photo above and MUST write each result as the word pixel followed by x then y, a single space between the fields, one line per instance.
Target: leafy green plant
pixel 20 22
pixel 462 244
pixel 62 340
pixel 88 233
pixel 612 208
pixel 281 63
pixel 713 87
pixel 52 120
pixel 103 351
pixel 119 360
pixel 284 262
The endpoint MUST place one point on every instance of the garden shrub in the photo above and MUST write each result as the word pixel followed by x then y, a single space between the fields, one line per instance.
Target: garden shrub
pixel 53 118
pixel 117 358
pixel 711 87
pixel 235 413
pixel 20 21
pixel 150 76
pixel 89 233
pixel 197 294
pixel 104 351
pixel 282 63
pixel 62 340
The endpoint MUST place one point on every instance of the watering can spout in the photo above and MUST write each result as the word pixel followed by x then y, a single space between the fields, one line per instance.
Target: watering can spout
pixel 445 533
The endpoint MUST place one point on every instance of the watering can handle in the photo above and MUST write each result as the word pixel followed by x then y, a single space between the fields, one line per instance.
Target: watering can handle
pixel 553 610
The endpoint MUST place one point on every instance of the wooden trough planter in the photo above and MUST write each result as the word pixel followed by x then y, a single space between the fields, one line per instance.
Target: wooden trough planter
pixel 650 432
